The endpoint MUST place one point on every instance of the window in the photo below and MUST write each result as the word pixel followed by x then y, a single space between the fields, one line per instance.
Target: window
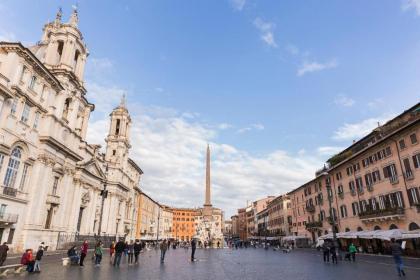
pixel 380 155
pixel 402 144
pixel 413 138
pixel 416 160
pixel 14 106
pixel 32 83
pixel 359 184
pixel 376 176
pixel 351 187
pixel 2 210
pixel 340 189
pixel 349 170
pixel 55 187
pixel 356 167
pixel 343 211
pixel 36 120
pixel 10 237
pixel 12 168
pixel 60 48
pixel 25 113
pixel 356 209
pixel 22 74
pixel 390 171
pixel 1 161
pixel 117 127
pixel 338 175
pixel 413 196
pixel 387 151
pixel 43 92
pixel 368 179
pixel 114 152
pixel 24 177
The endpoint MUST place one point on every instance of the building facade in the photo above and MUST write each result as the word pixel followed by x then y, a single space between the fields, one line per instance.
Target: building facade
pixel 148 218
pixel 167 222
pixel 51 178
pixel 280 216
pixel 373 184
pixel 235 226
pixel 184 223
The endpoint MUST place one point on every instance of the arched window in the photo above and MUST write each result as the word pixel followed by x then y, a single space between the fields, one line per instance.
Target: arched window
pixel 13 167
pixel 377 228
pixel 413 226
pixel 347 229
pixel 359 229
pixel 393 226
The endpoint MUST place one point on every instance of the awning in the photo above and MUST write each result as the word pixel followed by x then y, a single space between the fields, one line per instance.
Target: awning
pixel 293 238
pixel 388 234
pixel 411 234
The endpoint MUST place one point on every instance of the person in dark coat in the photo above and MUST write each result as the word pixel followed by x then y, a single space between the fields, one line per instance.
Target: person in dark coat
pixel 3 253
pixel 163 248
pixel 72 254
pixel 326 251
pixel 193 248
pixel 397 251
pixel 137 249
pixel 119 250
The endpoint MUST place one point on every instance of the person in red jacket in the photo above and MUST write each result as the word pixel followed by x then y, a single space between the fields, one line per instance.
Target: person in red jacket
pixel 83 252
pixel 28 260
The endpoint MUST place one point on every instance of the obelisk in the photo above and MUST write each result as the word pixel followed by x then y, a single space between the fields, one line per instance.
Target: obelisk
pixel 208 209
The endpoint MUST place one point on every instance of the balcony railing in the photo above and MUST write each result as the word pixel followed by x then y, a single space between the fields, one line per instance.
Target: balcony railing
pixel 409 175
pixel 393 179
pixel 9 191
pixel 330 220
pixel 312 225
pixel 341 195
pixel 310 208
pixel 381 212
pixel 370 187
pixel 353 192
pixel 9 218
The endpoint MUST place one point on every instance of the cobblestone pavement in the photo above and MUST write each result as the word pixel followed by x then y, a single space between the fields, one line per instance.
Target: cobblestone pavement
pixel 240 264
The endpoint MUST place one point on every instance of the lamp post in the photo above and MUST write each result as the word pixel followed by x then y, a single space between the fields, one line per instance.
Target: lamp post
pixel 104 194
pixel 157 231
pixel 332 216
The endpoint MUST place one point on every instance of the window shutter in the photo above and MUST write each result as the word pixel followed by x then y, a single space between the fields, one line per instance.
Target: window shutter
pixel 386 174
pixel 410 196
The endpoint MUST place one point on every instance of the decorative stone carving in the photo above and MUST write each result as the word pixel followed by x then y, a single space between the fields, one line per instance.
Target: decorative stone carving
pixel 85 199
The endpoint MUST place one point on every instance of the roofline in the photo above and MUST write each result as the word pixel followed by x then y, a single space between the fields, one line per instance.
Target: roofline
pixel 19 44
pixel 135 165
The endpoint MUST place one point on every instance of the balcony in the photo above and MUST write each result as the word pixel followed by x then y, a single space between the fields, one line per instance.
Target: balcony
pixel 341 195
pixel 313 225
pixel 409 175
pixel 382 214
pixel 9 191
pixel 370 187
pixel 393 179
pixel 353 192
pixel 310 208
pixel 330 220
pixel 8 218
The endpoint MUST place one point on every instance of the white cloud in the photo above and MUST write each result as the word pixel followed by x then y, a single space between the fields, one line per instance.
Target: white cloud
pixel 343 100
pixel 266 31
pixel 104 98
pixel 255 126
pixel 314 66
pixel 329 150
pixel 171 151
pixel 97 67
pixel 375 103
pixel 292 49
pixel 238 4
pixel 411 5
pixel 354 131
pixel 224 126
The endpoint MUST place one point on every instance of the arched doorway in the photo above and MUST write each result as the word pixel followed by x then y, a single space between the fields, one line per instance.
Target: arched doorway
pixel 413 226
pixel 393 226
pixel 347 229
pixel 359 229
pixel 377 228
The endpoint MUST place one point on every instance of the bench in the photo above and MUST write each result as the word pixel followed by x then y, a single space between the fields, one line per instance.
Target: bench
pixel 15 268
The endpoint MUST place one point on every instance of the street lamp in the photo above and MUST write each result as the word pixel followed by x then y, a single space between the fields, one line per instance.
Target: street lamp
pixel 332 214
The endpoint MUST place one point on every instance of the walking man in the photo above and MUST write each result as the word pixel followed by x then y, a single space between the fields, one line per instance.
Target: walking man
pixel 137 249
pixel 131 252
pixel 38 257
pixel 119 250
pixel 3 253
pixel 163 248
pixel 326 251
pixel 193 247
pixel 98 253
pixel 333 251
pixel 352 251
pixel 396 253
pixel 83 252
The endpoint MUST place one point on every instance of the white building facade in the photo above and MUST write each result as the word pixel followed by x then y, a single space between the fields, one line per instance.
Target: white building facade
pixel 51 179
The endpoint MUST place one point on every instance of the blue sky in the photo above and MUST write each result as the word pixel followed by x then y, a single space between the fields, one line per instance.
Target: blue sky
pixel 275 86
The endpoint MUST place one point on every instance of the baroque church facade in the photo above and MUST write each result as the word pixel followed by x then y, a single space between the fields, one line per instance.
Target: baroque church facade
pixel 52 182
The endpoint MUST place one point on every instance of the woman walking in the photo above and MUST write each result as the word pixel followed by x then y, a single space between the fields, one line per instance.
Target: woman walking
pixel 112 252
pixel 83 252
pixel 98 253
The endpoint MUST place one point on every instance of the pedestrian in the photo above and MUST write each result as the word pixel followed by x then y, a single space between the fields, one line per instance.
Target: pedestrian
pixel 119 250
pixel 218 244
pixel 83 252
pixel 352 251
pixel 98 253
pixel 396 253
pixel 163 248
pixel 28 260
pixel 72 254
pixel 3 253
pixel 137 249
pixel 326 251
pixel 193 248
pixel 38 257
pixel 169 244
pixel 126 248
pixel 130 252
pixel 112 251
pixel 333 251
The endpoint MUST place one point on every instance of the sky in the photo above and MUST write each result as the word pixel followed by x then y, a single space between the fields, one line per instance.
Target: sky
pixel 275 87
